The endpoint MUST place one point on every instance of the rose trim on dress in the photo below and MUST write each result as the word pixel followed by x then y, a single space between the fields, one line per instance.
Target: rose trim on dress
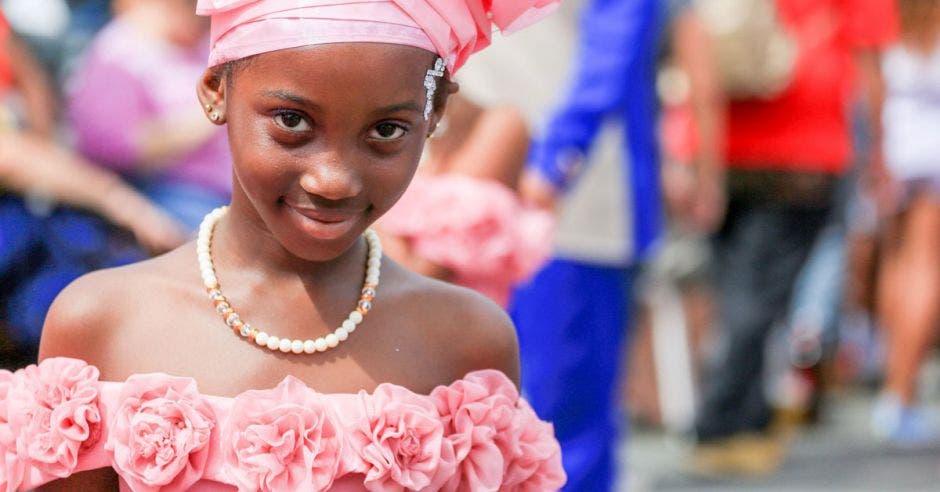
pixel 160 433
pixel 476 433
pixel 52 414
pixel 286 438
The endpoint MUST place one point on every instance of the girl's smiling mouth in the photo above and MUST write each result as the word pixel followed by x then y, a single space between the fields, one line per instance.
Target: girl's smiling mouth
pixel 323 223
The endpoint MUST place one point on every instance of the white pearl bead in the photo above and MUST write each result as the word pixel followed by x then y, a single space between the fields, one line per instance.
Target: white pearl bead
pixel 372 271
pixel 261 338
pixel 332 340
pixel 309 347
pixel 342 333
pixel 274 342
pixel 349 324
pixel 352 330
pixel 372 279
pixel 355 317
pixel 321 344
pixel 374 263
pixel 286 345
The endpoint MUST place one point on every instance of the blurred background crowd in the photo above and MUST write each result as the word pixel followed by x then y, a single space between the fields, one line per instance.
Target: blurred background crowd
pixel 711 219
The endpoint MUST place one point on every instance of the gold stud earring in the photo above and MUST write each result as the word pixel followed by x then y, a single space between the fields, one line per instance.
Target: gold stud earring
pixel 208 107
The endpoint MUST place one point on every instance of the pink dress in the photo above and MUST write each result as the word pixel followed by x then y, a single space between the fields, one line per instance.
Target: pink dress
pixel 159 433
pixel 477 228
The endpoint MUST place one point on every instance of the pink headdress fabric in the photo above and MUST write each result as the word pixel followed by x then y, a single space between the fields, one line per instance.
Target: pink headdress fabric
pixel 454 29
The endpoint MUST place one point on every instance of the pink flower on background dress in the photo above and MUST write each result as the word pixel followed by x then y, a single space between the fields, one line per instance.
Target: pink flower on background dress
pixel 160 433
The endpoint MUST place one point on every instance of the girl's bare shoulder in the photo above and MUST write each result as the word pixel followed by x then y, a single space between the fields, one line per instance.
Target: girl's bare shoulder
pixel 465 329
pixel 90 310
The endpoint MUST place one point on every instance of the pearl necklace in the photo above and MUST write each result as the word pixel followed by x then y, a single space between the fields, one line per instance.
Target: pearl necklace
pixel 286 345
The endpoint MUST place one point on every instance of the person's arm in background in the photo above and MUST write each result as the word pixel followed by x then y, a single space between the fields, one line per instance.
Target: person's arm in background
pixel 880 184
pixel 610 32
pixel 873 25
pixel 32 84
pixel 33 165
pixel 699 191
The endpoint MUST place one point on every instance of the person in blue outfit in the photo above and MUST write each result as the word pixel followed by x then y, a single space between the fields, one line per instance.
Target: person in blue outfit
pixel 572 317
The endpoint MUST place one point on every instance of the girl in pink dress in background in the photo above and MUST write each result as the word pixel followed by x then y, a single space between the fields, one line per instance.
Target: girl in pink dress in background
pixel 131 108
pixel 461 219
pixel 314 362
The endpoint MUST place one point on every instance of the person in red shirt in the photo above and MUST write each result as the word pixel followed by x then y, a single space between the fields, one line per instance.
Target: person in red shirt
pixel 21 72
pixel 784 155
pixel 6 78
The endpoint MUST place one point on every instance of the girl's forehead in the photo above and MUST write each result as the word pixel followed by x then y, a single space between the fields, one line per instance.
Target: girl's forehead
pixel 346 60
pixel 369 71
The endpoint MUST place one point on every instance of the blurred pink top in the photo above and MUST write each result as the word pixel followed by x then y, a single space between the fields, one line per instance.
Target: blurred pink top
pixel 128 79
pixel 477 228
pixel 158 432
pixel 454 29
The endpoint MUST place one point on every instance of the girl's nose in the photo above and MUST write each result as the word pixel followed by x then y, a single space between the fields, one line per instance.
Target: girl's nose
pixel 331 178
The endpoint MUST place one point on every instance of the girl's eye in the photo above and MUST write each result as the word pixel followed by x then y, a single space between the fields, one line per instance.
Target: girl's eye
pixel 291 121
pixel 387 131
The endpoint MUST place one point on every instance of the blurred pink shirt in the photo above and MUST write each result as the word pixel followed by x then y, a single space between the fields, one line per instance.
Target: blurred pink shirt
pixel 127 79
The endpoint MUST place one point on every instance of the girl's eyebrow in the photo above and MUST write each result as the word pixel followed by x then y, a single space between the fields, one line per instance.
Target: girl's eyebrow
pixel 409 106
pixel 405 106
pixel 290 96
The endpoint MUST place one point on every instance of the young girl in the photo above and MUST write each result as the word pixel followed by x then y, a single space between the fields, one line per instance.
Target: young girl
pixel 909 280
pixel 344 371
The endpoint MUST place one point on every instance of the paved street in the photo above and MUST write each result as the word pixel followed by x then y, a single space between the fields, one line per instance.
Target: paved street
pixel 836 455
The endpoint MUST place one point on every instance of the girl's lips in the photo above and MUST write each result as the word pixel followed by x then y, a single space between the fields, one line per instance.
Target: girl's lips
pixel 323 224
pixel 327 216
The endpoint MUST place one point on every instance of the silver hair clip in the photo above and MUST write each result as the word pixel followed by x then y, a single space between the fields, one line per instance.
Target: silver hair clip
pixel 430 83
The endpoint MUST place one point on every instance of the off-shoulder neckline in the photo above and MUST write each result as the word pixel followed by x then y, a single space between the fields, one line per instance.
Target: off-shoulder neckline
pixel 469 375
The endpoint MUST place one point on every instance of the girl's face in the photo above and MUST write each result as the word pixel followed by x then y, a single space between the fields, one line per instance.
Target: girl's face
pixel 324 139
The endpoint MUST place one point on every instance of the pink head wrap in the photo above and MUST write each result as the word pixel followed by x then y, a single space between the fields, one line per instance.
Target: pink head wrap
pixel 454 29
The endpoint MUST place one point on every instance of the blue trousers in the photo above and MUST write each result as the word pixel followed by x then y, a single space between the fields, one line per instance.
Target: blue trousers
pixel 571 319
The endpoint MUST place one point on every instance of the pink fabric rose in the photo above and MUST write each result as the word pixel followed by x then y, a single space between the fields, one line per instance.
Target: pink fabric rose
pixel 286 438
pixel 535 462
pixel 11 467
pixel 160 432
pixel 401 442
pixel 52 413
pixel 479 412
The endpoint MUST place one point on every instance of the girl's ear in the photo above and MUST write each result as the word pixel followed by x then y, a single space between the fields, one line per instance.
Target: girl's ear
pixel 211 90
pixel 446 89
